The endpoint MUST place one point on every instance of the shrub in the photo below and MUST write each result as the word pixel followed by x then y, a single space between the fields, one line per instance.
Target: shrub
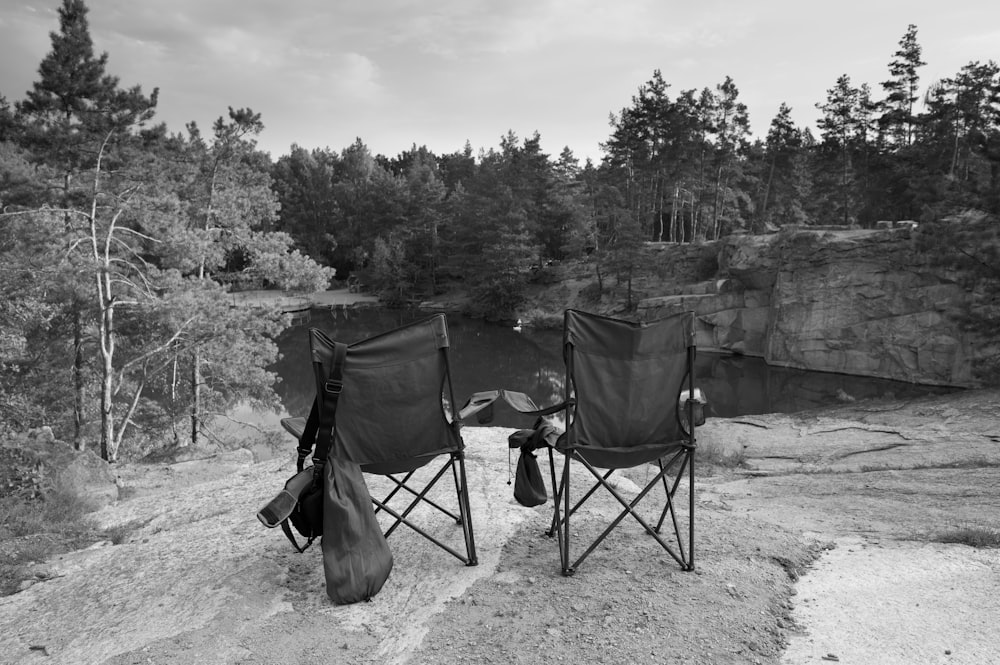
pixel 973 536
pixel 714 455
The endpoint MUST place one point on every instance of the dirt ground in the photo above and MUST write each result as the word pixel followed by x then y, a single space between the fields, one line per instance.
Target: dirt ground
pixel 822 548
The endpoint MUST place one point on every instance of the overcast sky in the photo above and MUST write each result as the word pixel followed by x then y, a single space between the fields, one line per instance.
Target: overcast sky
pixel 439 72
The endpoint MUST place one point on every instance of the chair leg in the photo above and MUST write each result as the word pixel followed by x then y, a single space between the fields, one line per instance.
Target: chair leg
pixel 686 465
pixel 690 563
pixel 556 495
pixel 563 510
pixel 668 506
pixel 458 491
pixel 564 552
pixel 464 518
pixel 465 508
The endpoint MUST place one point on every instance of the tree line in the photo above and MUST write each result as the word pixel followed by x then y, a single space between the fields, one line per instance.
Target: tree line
pixel 676 168
pixel 119 240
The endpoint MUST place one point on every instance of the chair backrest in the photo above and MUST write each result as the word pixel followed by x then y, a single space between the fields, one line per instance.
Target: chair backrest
pixel 626 378
pixel 391 406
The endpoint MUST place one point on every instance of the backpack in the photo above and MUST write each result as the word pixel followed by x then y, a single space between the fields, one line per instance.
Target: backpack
pixel 298 504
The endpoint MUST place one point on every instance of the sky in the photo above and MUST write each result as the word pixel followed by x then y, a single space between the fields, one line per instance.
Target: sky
pixel 439 73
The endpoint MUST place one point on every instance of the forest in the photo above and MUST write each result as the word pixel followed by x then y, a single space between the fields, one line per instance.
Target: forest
pixel 120 239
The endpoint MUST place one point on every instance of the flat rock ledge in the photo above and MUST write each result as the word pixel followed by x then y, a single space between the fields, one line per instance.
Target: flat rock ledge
pixel 824 544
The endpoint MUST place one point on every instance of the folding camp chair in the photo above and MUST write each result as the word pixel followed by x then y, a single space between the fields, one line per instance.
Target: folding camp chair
pixel 394 414
pixel 628 389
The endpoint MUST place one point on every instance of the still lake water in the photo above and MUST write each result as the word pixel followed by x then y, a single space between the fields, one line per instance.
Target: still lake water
pixel 486 356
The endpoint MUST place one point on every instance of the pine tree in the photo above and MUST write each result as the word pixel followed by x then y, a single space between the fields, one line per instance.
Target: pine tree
pixel 897 120
pixel 78 123
pixel 839 128
pixel 780 203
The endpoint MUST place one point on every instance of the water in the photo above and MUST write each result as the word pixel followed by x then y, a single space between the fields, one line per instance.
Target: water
pixel 487 356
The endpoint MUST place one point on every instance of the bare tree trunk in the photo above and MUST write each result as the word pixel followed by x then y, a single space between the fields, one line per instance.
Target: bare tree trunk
pixel 673 214
pixel 847 217
pixel 106 332
pixel 717 202
pixel 195 396
pixel 78 383
pixel 133 405
pixel 173 403
pixel 106 318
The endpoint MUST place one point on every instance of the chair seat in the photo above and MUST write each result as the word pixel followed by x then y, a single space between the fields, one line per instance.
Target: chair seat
pixel 624 458
pixel 399 466
pixel 297 425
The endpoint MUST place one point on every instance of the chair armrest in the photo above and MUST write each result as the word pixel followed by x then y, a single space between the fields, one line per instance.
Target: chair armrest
pixel 294 426
pixel 477 402
pixel 520 402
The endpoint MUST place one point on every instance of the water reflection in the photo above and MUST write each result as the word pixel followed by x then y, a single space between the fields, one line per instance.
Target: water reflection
pixel 486 356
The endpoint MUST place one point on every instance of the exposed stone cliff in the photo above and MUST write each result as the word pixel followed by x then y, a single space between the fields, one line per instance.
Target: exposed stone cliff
pixel 856 302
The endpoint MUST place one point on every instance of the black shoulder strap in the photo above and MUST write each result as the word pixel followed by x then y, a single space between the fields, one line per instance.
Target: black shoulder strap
pixel 323 414
pixel 291 537
pixel 328 403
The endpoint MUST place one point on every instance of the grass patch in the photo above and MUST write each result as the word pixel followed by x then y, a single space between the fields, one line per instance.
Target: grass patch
pixel 715 456
pixel 973 536
pixel 58 510
pixel 33 531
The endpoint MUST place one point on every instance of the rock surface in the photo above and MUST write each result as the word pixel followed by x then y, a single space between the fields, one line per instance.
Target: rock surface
pixel 200 580
pixel 854 302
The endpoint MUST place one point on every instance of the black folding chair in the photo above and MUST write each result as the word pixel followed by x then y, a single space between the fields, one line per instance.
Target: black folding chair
pixel 629 403
pixel 394 414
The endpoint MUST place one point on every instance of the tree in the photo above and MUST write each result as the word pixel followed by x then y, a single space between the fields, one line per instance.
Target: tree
pixel 781 201
pixel 731 126
pixel 839 128
pixel 304 182
pixel 897 120
pixel 80 124
pixel 426 216
pixel 61 131
pixel 489 243
pixel 231 210
pixel 660 152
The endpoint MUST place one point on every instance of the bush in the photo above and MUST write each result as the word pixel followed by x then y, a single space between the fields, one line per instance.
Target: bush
pixel 716 456
pixel 973 536
pixel 591 293
pixel 541 320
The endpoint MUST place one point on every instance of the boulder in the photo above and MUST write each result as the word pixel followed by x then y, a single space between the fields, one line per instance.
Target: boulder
pixel 37 461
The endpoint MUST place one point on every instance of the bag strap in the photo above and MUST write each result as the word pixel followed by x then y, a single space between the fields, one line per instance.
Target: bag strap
pixel 308 436
pixel 291 537
pixel 319 429
pixel 321 421
pixel 332 388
